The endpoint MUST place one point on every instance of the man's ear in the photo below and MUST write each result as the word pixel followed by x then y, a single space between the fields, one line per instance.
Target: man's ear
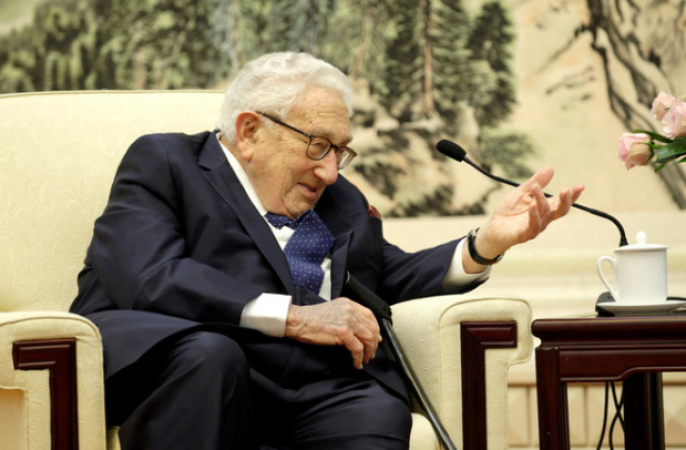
pixel 248 127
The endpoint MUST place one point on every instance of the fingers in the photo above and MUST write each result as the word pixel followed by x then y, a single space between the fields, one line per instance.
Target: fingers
pixel 363 337
pixel 542 177
pixel 565 200
pixel 550 209
pixel 338 322
pixel 542 208
pixel 576 192
pixel 539 213
pixel 369 334
pixel 524 213
pixel 564 203
pixel 356 349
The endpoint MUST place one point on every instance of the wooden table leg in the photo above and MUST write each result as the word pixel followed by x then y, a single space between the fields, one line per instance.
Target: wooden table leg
pixel 553 419
pixel 643 412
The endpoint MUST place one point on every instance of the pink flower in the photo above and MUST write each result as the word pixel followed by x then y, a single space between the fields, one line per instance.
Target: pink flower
pixel 634 149
pixel 661 105
pixel 674 121
pixel 641 147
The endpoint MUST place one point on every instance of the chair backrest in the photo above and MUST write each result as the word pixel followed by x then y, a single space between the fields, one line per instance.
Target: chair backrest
pixel 58 155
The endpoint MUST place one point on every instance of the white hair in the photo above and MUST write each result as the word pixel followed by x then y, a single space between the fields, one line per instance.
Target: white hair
pixel 274 82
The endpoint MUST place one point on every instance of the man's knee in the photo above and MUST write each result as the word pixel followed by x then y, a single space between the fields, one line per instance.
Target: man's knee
pixel 209 353
pixel 201 362
pixel 362 416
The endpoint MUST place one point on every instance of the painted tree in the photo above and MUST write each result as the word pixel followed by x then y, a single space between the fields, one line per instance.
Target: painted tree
pixel 162 44
pixel 55 54
pixel 271 26
pixel 453 72
pixel 403 77
pixel 122 44
pixel 17 61
pixel 251 33
pixel 302 24
pixel 493 96
pixel 356 37
pixel 429 68
pixel 490 43
pixel 224 31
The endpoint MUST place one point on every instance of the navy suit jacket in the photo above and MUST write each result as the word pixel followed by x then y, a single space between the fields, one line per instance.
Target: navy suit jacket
pixel 180 247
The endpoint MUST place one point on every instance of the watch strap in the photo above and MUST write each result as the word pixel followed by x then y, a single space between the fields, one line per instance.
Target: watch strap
pixel 471 237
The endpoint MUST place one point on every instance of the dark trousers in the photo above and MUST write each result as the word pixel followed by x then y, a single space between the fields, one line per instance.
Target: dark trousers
pixel 199 393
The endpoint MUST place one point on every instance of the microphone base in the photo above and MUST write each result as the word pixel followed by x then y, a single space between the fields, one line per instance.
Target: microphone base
pixel 605 297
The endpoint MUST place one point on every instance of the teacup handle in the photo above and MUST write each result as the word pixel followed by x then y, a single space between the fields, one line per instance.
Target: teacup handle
pixel 607 284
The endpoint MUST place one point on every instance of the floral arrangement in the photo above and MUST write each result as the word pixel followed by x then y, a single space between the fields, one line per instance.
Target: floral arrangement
pixel 641 147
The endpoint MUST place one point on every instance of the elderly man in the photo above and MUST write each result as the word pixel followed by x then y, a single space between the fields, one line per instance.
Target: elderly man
pixel 216 271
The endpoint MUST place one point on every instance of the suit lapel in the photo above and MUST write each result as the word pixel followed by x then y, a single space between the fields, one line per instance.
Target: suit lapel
pixel 328 208
pixel 222 178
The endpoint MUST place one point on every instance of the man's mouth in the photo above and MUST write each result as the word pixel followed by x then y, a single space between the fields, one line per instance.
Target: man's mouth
pixel 308 190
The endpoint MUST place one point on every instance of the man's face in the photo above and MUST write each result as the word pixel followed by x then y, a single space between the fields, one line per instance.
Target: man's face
pixel 286 180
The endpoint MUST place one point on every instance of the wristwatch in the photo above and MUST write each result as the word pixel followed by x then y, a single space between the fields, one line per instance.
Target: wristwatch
pixel 471 237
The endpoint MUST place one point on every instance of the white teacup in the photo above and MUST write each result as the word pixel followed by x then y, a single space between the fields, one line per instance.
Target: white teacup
pixel 640 272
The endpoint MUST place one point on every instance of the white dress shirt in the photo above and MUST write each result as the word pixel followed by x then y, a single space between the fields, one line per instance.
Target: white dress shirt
pixel 267 313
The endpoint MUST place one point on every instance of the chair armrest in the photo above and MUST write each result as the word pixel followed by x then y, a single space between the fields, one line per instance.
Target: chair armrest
pixel 51 381
pixel 434 332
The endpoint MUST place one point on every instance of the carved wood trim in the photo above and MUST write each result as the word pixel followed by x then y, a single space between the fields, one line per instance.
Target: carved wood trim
pixel 59 357
pixel 477 337
pixel 629 349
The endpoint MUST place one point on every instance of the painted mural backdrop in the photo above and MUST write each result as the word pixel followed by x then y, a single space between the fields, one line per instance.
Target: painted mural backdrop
pixel 517 83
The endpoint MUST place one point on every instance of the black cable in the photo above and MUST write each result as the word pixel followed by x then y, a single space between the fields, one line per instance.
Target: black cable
pixel 618 406
pixel 602 432
pixel 618 415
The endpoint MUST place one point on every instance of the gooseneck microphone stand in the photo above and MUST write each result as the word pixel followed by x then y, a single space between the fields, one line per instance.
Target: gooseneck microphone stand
pixel 454 151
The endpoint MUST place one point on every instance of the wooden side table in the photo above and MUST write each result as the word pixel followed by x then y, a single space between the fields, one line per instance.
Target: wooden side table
pixel 632 350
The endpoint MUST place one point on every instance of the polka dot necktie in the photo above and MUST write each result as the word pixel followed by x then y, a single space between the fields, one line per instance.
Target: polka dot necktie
pixel 306 249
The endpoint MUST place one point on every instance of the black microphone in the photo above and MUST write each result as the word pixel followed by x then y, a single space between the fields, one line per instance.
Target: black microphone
pixel 454 151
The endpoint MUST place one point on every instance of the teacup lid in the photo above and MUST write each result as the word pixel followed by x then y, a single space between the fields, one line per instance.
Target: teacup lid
pixel 641 244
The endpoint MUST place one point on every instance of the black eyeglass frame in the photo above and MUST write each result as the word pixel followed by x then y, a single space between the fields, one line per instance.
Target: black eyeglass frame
pixel 348 153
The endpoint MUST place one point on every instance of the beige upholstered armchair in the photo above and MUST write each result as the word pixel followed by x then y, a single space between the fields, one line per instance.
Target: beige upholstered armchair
pixel 58 154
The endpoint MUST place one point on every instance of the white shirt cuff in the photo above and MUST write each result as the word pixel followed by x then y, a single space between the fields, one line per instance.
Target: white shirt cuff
pixel 456 275
pixel 267 313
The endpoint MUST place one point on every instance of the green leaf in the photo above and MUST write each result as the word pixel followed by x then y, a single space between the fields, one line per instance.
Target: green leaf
pixel 671 151
pixel 661 166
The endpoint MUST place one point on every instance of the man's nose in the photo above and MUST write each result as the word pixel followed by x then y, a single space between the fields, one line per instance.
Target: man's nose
pixel 327 168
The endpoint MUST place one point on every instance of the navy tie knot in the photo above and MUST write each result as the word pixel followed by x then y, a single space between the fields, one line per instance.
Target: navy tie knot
pixel 280 221
pixel 306 249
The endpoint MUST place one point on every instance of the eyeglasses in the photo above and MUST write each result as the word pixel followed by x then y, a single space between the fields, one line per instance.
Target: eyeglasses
pixel 318 147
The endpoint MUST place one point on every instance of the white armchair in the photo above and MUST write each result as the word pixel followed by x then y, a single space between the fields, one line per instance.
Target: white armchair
pixel 58 154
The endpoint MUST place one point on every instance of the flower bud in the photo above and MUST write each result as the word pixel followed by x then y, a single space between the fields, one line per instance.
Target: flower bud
pixel 632 149
pixel 639 154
